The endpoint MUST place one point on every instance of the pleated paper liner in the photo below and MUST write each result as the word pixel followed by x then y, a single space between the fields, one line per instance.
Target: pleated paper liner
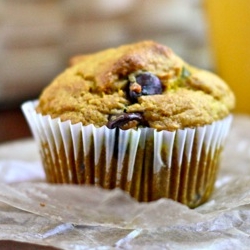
pixel 149 165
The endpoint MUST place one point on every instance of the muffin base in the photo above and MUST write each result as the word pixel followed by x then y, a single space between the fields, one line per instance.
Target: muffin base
pixel 149 165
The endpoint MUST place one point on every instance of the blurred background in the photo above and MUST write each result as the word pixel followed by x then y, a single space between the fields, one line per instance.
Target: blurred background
pixel 37 38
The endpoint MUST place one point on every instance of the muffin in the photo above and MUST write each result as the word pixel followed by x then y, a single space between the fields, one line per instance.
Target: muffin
pixel 136 117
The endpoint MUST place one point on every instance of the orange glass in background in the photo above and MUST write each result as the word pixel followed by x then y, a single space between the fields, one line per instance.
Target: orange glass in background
pixel 229 33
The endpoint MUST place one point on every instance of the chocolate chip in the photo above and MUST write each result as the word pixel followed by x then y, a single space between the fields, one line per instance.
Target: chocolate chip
pixel 82 167
pixel 144 83
pixel 123 119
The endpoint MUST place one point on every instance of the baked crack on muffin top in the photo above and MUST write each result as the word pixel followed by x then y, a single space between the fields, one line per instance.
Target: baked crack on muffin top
pixel 137 85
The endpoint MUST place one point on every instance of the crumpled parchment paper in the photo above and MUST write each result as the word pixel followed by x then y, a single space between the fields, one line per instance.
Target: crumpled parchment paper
pixel 82 217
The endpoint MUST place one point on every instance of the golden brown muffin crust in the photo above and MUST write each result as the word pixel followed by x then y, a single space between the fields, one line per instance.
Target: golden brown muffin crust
pixel 95 87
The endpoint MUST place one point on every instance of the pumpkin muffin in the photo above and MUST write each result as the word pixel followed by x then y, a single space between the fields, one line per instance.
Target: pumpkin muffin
pixel 135 117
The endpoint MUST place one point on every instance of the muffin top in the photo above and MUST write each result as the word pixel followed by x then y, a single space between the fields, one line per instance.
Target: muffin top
pixel 142 84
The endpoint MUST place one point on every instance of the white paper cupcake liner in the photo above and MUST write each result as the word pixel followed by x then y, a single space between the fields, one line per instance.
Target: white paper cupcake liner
pixel 149 165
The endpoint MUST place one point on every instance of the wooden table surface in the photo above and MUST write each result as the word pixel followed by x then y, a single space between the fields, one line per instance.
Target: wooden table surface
pixel 13 125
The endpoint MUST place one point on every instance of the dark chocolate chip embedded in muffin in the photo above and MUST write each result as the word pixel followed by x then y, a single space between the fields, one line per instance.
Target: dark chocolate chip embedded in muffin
pixel 143 83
